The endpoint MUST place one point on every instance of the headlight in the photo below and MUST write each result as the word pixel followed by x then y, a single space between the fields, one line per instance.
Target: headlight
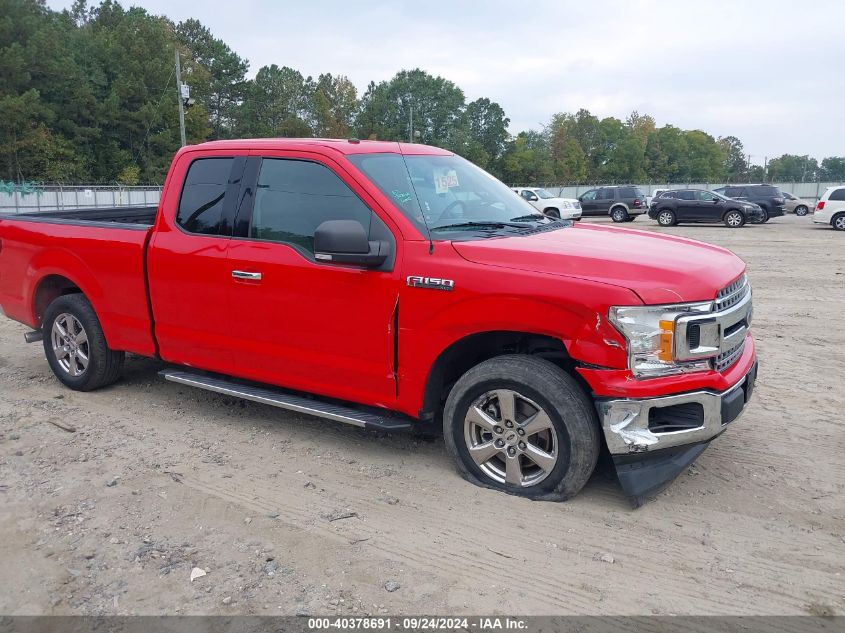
pixel 566 205
pixel 650 333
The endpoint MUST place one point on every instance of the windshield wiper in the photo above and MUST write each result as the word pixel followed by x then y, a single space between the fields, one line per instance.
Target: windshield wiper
pixel 481 225
pixel 530 216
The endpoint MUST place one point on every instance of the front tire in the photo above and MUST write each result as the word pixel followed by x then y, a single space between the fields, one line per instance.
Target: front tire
pixel 522 425
pixel 666 218
pixel 552 213
pixel 734 219
pixel 76 347
pixel 801 210
pixel 618 214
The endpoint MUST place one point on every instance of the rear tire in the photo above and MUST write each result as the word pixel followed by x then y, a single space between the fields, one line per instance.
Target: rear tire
pixel 619 214
pixel 801 210
pixel 76 347
pixel 838 222
pixel 734 219
pixel 522 425
pixel 666 218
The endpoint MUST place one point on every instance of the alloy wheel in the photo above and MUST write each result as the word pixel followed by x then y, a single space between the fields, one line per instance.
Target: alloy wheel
pixel 511 438
pixel 70 344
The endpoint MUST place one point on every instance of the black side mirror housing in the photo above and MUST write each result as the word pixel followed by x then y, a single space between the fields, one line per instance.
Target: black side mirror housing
pixel 346 242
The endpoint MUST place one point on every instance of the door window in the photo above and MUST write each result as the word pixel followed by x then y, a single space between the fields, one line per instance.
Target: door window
pixel 686 195
pixel 734 192
pixel 201 204
pixel 294 197
pixel 706 196
pixel 589 196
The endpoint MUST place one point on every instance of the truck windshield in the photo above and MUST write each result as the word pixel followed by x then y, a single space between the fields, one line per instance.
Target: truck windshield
pixel 447 194
pixel 543 194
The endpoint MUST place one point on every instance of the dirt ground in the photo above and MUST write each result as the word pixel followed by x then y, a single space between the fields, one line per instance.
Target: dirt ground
pixel 289 514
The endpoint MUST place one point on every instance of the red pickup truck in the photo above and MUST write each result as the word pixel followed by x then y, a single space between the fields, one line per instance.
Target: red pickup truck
pixel 392 285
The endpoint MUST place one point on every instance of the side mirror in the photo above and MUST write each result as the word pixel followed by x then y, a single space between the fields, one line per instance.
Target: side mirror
pixel 346 242
pixel 533 198
pixel 715 200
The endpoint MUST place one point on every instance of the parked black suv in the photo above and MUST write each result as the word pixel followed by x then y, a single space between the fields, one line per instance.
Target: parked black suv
pixel 623 203
pixel 698 205
pixel 768 197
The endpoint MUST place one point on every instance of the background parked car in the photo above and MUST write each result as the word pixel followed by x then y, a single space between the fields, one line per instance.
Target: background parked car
pixel 830 208
pixel 796 205
pixel 768 197
pixel 622 204
pixel 552 206
pixel 654 194
pixel 699 205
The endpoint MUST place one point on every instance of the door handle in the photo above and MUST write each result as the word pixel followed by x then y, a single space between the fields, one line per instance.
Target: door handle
pixel 243 274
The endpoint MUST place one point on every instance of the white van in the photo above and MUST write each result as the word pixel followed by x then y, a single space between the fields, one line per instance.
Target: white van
pixel 830 209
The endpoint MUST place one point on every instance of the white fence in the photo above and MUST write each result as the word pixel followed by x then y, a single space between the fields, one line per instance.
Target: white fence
pixel 31 198
pixel 806 190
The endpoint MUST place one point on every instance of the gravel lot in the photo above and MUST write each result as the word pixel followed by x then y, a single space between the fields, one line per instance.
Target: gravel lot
pixel 290 514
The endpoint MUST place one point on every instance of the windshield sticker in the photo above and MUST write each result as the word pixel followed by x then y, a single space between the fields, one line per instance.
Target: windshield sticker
pixel 445 179
pixel 401 196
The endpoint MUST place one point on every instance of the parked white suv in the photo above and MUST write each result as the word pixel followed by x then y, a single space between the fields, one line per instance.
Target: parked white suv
pixel 830 209
pixel 542 200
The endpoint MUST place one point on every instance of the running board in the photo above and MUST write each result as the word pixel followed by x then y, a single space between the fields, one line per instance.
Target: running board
pixel 364 417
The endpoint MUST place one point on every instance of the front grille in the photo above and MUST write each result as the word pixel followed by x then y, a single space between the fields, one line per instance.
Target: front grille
pixel 726 359
pixel 732 294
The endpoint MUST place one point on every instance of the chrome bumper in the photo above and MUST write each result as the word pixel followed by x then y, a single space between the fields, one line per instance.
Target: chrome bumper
pixel 650 424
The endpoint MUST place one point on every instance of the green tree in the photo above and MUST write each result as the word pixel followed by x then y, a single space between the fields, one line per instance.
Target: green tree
pixel 334 103
pixel 215 73
pixel 792 168
pixel 278 103
pixel 527 160
pixel 435 104
pixel 832 169
pixel 736 165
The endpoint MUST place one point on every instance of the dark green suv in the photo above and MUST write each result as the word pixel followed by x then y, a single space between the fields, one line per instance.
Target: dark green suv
pixel 622 203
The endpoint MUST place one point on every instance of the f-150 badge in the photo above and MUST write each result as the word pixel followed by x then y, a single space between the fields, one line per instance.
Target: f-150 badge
pixel 433 283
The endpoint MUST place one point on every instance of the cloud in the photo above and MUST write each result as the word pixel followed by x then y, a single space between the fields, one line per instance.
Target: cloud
pixel 754 69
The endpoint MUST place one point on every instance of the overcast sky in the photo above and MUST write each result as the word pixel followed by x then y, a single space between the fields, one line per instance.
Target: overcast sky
pixel 768 72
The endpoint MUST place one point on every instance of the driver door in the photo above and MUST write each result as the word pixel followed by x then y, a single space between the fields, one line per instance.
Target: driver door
pixel 299 322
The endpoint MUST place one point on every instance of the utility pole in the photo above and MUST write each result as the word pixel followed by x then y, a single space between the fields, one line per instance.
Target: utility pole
pixel 181 100
pixel 411 135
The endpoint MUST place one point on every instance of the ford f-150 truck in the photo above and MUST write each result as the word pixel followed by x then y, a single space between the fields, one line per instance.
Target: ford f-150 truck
pixel 392 285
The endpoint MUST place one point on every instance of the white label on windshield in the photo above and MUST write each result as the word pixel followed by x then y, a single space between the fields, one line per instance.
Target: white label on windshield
pixel 444 180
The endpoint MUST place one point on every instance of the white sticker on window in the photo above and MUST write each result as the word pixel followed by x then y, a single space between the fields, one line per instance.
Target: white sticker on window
pixel 445 179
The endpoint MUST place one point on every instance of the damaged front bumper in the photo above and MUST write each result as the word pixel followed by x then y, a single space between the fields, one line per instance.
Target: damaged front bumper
pixel 652 440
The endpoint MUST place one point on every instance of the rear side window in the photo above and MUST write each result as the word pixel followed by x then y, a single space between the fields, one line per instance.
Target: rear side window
pixel 766 191
pixel 686 195
pixel 201 205
pixel 627 192
pixel 837 194
pixel 294 197
pixel 606 193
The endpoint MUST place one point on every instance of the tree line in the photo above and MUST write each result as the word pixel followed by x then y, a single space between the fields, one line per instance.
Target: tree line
pixel 89 95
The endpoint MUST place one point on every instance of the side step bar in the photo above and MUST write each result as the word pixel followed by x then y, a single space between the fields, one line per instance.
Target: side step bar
pixel 365 417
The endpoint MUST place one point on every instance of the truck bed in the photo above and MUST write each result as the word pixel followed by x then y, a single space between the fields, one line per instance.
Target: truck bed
pixel 102 252
pixel 120 215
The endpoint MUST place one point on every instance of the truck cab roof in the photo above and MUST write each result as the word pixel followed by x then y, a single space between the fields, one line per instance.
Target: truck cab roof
pixel 343 146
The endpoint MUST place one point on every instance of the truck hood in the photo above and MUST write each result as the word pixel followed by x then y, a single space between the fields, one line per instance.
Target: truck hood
pixel 659 268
